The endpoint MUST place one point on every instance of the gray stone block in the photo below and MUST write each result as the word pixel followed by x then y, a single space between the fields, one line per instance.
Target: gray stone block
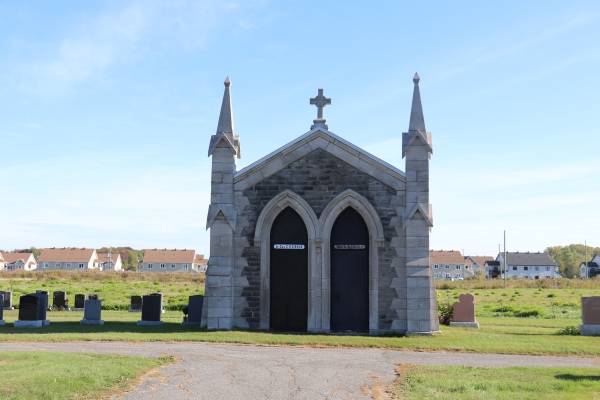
pixel 28 324
pixel 149 323
pixel 469 324
pixel 589 330
pixel 95 322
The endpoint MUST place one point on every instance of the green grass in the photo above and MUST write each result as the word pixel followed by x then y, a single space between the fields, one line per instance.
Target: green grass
pixel 452 382
pixel 50 375
pixel 497 335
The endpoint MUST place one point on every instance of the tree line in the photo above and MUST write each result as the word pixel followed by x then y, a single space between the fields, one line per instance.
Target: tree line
pixel 570 257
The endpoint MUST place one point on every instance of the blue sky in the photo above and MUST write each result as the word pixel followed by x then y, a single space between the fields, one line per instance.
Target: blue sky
pixel 107 108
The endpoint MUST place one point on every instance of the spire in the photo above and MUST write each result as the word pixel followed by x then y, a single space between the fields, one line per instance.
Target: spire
pixel 417 120
pixel 226 117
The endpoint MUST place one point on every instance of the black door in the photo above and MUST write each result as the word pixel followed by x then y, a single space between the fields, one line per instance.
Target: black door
pixel 289 273
pixel 349 273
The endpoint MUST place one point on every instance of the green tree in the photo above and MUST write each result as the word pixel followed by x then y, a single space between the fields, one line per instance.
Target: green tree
pixel 570 257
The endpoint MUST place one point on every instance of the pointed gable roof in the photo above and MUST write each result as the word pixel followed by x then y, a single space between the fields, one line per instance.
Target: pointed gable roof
pixel 225 126
pixel 331 143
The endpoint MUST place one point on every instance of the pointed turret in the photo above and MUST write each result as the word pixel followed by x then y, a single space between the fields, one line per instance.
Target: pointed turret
pixel 225 125
pixel 226 117
pixel 417 120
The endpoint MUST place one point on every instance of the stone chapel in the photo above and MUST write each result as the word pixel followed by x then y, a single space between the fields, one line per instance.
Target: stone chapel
pixel 320 235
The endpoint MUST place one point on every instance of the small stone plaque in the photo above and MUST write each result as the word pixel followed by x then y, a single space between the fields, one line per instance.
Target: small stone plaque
pixel 464 308
pixel 59 300
pixel 590 310
pixel 152 307
pixel 288 246
pixel 349 246
pixel 92 310
pixel 136 303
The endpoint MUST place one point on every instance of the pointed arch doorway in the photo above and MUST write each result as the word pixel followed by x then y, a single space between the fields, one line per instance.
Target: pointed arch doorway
pixel 288 273
pixel 349 254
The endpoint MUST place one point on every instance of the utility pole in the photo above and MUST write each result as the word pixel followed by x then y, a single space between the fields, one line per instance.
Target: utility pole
pixel 587 274
pixel 505 271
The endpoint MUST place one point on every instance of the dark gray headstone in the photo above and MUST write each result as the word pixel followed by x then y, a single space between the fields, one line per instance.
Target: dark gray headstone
pixel 93 309
pixel 28 307
pixel 1 308
pixel 42 305
pixel 79 301
pixel 195 308
pixel 7 303
pixel 136 302
pixel 59 299
pixel 152 307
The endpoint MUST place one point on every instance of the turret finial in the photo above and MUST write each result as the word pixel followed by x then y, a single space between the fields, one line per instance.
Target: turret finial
pixel 417 120
pixel 416 78
pixel 227 82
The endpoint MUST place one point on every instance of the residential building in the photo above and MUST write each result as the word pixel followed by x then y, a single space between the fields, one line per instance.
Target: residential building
pixel 529 265
pixel 493 269
pixel 450 264
pixel 201 263
pixel 1 261
pixel 113 263
pixel 68 259
pixel 593 268
pixel 479 261
pixel 18 261
pixel 167 260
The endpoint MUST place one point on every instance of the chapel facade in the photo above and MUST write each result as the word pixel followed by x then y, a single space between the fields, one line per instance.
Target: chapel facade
pixel 320 235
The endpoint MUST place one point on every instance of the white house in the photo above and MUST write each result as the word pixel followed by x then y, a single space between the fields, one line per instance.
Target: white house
pixel 110 261
pixel 18 261
pixel 593 268
pixel 1 261
pixel 450 264
pixel 201 263
pixel 479 261
pixel 529 265
pixel 68 259
pixel 167 260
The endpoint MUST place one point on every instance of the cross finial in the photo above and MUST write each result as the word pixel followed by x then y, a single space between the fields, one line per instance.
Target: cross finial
pixel 320 101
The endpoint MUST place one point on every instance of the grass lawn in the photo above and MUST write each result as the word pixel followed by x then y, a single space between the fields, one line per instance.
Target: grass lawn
pixel 451 382
pixel 49 375
pixel 497 335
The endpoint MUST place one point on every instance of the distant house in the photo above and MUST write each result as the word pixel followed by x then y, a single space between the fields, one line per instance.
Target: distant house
pixel 529 265
pixel 167 260
pixel 479 261
pixel 450 264
pixel 1 261
pixel 493 269
pixel 112 264
pixel 201 263
pixel 593 268
pixel 68 259
pixel 18 261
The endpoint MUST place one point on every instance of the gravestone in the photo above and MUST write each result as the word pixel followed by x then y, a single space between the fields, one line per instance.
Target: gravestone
pixel 29 305
pixel 151 309
pixel 136 304
pixel 79 302
pixel 590 315
pixel 194 316
pixel 7 303
pixel 92 312
pixel 463 312
pixel 59 300
pixel 42 305
pixel 1 309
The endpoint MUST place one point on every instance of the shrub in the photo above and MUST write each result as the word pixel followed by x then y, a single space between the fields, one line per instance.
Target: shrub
pixel 445 311
pixel 552 295
pixel 569 330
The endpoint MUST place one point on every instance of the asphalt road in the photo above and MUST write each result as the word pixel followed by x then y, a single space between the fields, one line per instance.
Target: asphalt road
pixel 217 371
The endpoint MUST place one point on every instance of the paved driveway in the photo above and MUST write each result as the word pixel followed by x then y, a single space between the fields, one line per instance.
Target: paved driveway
pixel 217 371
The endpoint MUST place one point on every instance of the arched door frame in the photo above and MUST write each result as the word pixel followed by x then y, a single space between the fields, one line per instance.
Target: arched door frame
pixel 350 198
pixel 262 235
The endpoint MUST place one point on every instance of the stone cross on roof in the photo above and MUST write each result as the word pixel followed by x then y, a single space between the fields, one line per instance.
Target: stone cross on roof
pixel 320 101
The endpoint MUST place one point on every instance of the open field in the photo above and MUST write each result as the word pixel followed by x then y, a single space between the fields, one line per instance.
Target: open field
pixel 113 288
pixel 444 382
pixel 43 375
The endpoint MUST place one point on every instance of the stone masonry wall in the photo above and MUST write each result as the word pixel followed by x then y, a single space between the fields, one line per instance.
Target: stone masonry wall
pixel 318 178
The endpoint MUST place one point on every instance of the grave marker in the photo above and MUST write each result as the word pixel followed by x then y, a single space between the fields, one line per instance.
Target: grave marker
pixel 79 302
pixel 590 315
pixel 463 312
pixel 32 311
pixel 92 312
pixel 136 304
pixel 1 309
pixel 7 303
pixel 59 300
pixel 194 316
pixel 151 309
